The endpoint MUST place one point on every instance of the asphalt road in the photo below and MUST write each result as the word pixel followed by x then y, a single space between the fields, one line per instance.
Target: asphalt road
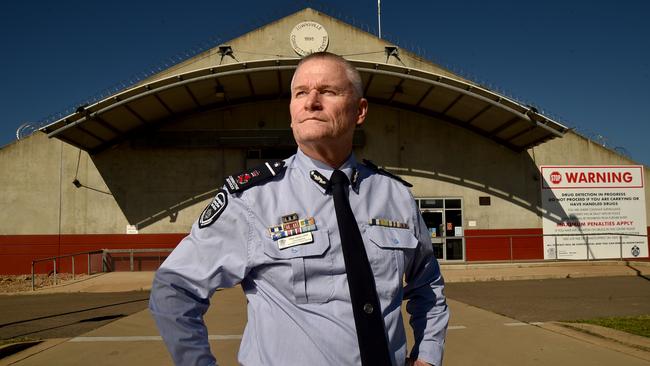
pixel 64 315
pixel 557 299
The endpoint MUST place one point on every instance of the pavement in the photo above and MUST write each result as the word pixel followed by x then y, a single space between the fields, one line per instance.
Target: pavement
pixel 474 272
pixel 475 335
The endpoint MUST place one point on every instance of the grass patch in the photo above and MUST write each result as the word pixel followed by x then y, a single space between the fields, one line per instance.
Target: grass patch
pixel 639 325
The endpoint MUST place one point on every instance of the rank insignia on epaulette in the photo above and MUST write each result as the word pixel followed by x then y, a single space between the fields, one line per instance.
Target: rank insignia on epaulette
pixel 254 176
pixel 388 223
pixel 292 226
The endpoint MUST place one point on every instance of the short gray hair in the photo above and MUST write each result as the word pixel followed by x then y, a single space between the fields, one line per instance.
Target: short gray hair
pixel 350 71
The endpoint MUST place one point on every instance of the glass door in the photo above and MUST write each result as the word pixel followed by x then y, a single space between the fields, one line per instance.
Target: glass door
pixel 434 220
pixel 444 218
pixel 453 230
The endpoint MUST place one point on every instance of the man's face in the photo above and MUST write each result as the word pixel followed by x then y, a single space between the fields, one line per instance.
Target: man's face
pixel 324 107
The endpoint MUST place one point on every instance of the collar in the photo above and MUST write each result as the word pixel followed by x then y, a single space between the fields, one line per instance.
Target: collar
pixel 319 173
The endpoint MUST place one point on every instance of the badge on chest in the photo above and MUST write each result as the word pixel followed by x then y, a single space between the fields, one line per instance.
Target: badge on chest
pixel 293 231
pixel 388 223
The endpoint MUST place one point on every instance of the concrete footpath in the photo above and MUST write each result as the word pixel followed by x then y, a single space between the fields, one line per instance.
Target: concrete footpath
pixel 134 281
pixel 475 336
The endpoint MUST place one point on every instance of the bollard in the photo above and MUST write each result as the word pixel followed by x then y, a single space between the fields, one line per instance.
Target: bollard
pixel 555 247
pixel 54 260
pixel 587 241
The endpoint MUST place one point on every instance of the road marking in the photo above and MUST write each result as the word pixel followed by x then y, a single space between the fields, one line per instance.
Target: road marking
pixel 520 324
pixel 452 327
pixel 212 337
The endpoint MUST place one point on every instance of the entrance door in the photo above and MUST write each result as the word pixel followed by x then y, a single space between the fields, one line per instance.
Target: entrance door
pixel 444 218
pixel 434 219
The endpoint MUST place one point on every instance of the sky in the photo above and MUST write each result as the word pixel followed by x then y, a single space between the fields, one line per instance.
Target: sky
pixel 585 64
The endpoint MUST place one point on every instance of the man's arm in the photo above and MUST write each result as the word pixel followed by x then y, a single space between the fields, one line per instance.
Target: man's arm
pixel 179 315
pixel 211 257
pixel 426 301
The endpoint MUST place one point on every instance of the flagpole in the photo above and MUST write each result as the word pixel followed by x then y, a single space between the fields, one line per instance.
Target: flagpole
pixel 379 16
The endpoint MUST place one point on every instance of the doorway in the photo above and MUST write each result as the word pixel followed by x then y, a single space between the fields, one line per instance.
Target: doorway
pixel 444 219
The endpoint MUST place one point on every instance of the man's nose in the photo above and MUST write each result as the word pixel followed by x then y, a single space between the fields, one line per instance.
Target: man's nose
pixel 313 100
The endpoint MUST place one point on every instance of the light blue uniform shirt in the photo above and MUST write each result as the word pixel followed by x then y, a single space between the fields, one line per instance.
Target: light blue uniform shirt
pixel 299 309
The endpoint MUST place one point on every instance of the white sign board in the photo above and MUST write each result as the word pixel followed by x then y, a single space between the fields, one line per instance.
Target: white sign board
pixel 584 204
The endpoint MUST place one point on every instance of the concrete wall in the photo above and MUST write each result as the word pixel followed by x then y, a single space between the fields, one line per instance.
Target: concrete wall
pixel 40 198
pixel 29 203
pixel 164 190
pixel 272 42
pixel 443 160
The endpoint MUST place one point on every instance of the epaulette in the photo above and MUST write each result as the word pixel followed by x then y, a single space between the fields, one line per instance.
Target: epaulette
pixel 253 177
pixel 381 171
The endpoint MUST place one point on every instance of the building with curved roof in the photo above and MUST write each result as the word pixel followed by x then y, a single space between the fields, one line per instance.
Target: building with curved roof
pixel 135 169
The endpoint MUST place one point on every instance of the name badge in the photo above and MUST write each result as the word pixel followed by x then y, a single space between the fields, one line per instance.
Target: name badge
pixel 294 240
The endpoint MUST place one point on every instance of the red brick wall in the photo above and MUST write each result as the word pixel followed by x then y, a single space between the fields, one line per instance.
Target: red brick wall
pixel 18 251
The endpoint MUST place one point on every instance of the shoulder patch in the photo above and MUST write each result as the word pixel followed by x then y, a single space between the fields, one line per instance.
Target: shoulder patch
pixel 381 171
pixel 214 209
pixel 253 177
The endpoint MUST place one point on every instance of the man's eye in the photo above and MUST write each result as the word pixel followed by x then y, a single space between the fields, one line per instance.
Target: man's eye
pixel 329 92
pixel 300 93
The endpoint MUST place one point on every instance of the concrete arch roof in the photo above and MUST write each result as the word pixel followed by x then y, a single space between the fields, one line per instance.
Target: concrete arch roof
pixel 96 127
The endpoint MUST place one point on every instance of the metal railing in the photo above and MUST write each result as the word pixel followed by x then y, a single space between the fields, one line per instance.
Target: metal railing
pixel 106 261
pixel 58 257
pixel 107 267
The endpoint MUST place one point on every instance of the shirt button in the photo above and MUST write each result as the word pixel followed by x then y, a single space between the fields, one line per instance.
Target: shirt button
pixel 368 308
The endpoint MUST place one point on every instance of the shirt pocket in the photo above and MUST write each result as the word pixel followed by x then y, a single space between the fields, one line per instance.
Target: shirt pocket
pixel 387 256
pixel 311 265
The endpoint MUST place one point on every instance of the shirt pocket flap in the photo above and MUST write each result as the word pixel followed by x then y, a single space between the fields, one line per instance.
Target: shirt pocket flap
pixel 391 238
pixel 317 247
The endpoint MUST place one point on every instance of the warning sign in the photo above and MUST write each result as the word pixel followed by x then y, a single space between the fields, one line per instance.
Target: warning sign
pixel 594 212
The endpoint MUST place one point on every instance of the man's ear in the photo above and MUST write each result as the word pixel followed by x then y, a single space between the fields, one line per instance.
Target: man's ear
pixel 362 111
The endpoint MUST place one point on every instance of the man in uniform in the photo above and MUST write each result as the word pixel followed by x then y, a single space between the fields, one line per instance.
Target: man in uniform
pixel 282 231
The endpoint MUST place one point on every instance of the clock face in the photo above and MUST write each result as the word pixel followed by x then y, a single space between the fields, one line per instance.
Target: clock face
pixel 308 37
